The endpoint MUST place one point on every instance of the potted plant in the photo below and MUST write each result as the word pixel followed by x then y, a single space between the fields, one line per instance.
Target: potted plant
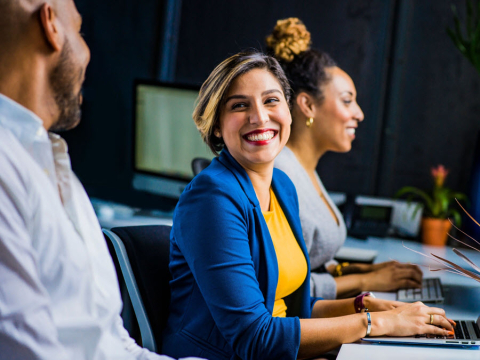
pixel 438 207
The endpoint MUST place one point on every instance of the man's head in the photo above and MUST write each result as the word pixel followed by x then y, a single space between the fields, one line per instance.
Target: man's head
pixel 43 56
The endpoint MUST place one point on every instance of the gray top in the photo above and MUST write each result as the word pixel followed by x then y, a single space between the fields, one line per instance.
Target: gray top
pixel 323 236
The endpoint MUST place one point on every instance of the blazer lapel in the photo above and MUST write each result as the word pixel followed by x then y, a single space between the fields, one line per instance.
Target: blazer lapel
pixel 263 252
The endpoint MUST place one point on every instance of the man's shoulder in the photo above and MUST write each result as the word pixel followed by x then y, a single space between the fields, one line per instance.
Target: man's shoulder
pixel 6 138
pixel 12 155
pixel 20 174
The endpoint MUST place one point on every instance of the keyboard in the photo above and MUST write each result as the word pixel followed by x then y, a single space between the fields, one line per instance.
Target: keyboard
pixel 465 330
pixel 431 291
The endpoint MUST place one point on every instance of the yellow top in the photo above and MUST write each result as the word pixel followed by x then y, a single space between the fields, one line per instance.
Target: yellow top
pixel 292 265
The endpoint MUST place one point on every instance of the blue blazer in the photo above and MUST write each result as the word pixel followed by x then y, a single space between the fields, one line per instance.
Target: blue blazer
pixel 225 270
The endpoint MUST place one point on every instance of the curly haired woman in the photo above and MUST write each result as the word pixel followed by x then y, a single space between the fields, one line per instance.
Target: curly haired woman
pixel 325 118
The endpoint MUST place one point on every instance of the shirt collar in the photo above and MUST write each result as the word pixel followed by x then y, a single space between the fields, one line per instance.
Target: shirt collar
pixel 26 126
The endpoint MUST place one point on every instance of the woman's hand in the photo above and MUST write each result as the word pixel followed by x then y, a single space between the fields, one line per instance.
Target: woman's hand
pixel 391 276
pixel 374 304
pixel 356 268
pixel 411 319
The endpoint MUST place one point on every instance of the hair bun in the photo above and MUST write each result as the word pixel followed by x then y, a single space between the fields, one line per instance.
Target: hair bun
pixel 290 37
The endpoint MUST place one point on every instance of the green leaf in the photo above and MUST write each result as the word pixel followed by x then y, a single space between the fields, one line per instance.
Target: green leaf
pixel 457 218
pixel 468 45
pixel 416 210
pixel 460 197
pixel 441 201
pixel 419 193
pixel 456 41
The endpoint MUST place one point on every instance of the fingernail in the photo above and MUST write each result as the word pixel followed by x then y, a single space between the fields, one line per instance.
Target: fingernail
pixel 451 332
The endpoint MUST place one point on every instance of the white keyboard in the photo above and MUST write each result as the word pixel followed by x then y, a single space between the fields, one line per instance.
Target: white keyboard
pixel 431 291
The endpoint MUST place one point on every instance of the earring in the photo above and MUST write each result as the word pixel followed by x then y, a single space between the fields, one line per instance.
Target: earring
pixel 309 122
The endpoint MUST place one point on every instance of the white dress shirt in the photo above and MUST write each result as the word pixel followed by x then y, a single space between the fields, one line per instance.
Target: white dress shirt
pixel 59 296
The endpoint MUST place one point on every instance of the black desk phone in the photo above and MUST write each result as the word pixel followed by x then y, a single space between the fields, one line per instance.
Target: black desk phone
pixel 364 220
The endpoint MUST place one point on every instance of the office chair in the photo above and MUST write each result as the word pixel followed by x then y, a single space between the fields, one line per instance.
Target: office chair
pixel 143 255
pixel 198 164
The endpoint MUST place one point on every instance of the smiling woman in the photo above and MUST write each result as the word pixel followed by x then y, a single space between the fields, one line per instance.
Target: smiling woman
pixel 255 125
pixel 240 270
pixel 326 116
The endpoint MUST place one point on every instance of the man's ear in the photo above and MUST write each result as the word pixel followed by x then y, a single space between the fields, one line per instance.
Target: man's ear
pixel 50 27
pixel 306 104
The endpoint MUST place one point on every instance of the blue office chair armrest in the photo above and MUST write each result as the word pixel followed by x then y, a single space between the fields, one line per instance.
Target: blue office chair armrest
pixel 148 340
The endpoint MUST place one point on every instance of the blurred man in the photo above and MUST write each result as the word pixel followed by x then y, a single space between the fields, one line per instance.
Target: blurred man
pixel 59 297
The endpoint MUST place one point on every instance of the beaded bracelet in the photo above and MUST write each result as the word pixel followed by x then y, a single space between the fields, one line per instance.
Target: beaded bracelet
pixel 338 268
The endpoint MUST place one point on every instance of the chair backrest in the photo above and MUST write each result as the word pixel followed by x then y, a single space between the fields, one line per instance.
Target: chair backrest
pixel 148 249
pixel 198 164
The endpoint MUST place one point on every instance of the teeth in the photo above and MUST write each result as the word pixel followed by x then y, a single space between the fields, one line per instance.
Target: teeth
pixel 351 131
pixel 261 137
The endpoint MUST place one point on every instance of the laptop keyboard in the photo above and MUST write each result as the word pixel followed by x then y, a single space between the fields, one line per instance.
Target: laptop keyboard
pixel 461 332
pixel 431 291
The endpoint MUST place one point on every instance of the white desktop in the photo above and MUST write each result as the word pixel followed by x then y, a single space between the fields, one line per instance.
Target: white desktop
pixel 111 214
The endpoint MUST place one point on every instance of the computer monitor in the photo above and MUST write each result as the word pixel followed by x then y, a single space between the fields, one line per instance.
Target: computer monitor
pixel 165 138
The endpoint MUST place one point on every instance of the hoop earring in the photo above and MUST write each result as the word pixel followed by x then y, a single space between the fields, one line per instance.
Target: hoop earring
pixel 309 122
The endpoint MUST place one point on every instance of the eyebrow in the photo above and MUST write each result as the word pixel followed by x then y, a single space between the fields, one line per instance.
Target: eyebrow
pixel 346 91
pixel 266 92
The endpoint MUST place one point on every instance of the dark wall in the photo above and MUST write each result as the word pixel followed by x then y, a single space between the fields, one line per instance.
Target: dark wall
pixel 419 95
pixel 355 33
pixel 433 112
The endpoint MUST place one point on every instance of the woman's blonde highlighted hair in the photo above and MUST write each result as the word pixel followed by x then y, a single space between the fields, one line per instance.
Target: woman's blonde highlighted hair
pixel 212 93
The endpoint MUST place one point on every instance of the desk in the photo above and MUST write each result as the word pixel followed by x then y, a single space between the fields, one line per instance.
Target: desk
pixel 462 300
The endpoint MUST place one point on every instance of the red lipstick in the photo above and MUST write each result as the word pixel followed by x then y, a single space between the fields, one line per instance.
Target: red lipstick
pixel 260 137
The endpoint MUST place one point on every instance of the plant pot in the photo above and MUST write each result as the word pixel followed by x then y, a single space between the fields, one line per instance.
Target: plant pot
pixel 435 231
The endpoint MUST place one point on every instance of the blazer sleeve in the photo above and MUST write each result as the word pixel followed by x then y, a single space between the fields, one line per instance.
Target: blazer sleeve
pixel 211 229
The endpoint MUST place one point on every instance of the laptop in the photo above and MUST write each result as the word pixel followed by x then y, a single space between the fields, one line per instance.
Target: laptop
pixel 430 292
pixel 467 333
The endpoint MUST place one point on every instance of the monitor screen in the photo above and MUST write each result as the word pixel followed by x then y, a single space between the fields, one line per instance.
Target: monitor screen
pixel 165 137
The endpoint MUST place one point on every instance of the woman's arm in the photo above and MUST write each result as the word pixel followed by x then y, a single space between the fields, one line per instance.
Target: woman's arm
pixel 351 285
pixel 334 308
pixel 387 276
pixel 321 335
